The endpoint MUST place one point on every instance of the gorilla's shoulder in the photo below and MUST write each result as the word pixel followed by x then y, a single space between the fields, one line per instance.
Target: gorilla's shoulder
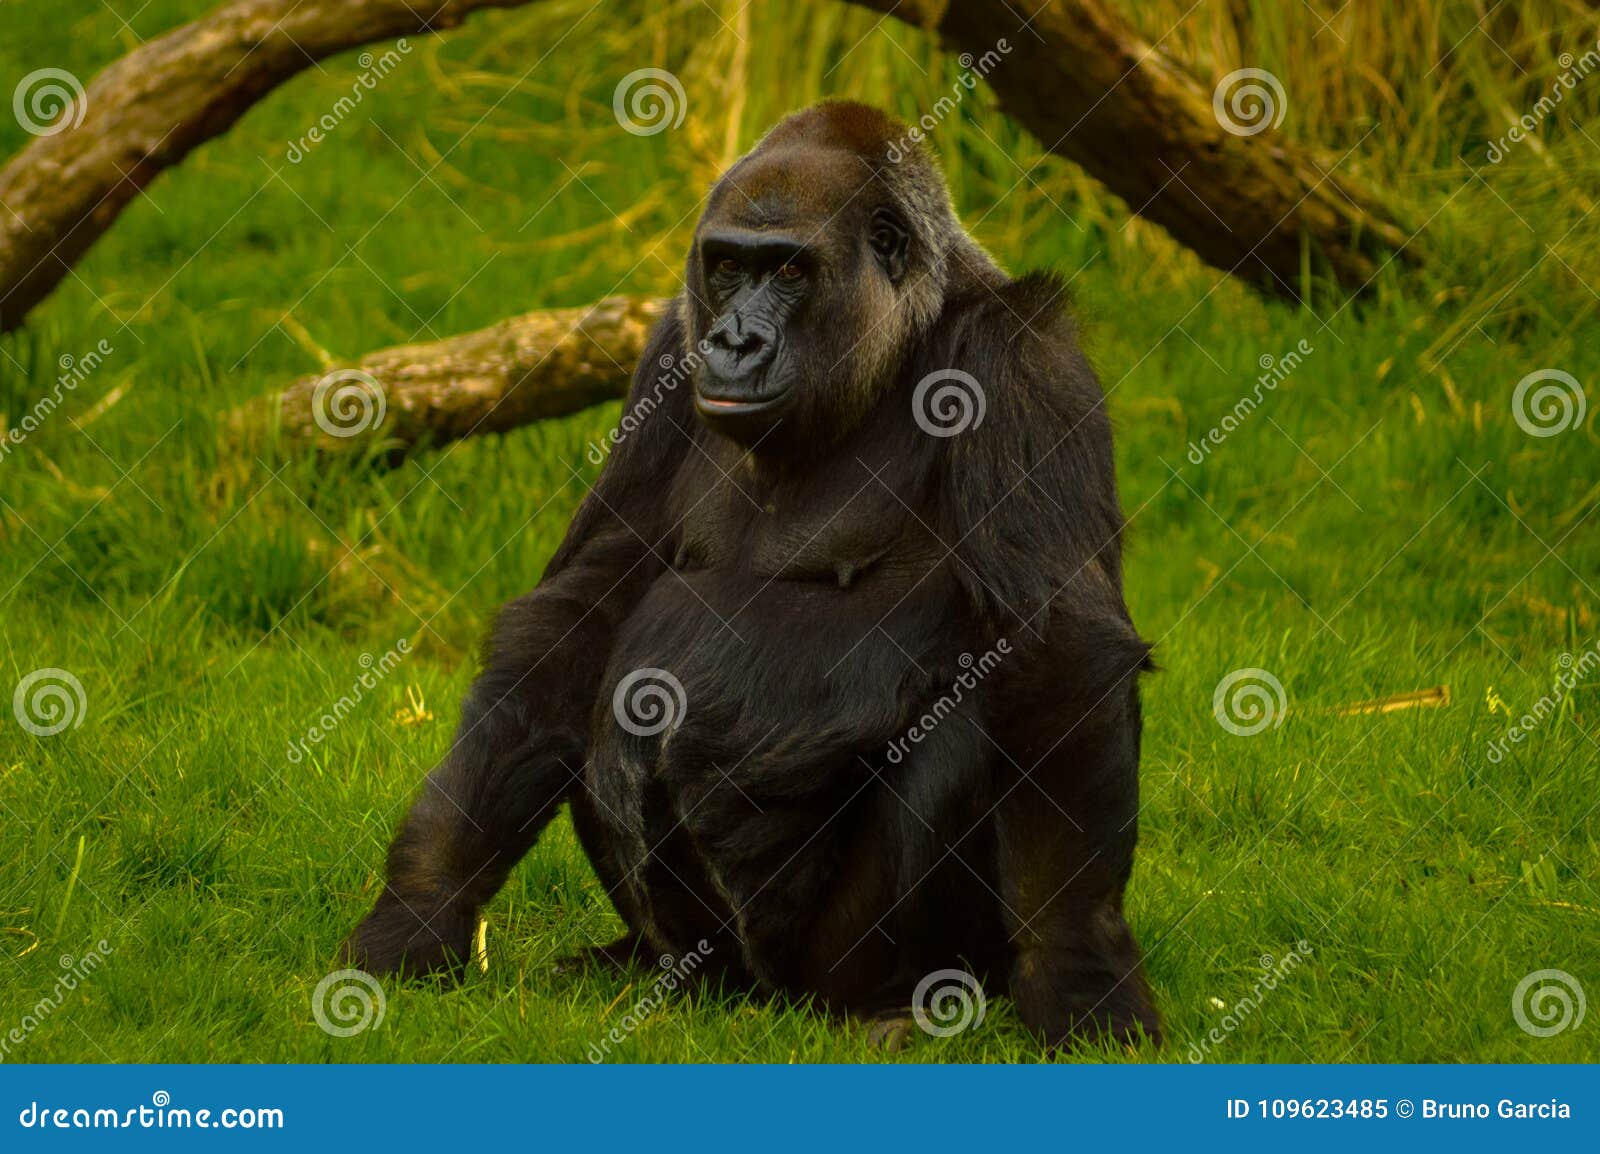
pixel 1019 339
pixel 1030 479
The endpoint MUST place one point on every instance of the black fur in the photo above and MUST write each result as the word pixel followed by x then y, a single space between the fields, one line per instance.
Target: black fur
pixel 818 577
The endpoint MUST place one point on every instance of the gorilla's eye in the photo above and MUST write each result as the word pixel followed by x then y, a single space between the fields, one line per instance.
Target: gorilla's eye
pixel 790 272
pixel 727 266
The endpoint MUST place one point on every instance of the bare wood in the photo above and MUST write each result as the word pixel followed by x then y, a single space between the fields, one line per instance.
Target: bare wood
pixel 152 107
pixel 1077 76
pixel 1096 92
pixel 527 368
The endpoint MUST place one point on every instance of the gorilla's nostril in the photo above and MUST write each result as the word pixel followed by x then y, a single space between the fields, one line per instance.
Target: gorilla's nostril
pixel 741 344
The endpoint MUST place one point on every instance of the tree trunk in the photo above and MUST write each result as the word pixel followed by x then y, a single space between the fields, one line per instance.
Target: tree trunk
pixel 1077 76
pixel 148 110
pixel 1096 92
pixel 528 368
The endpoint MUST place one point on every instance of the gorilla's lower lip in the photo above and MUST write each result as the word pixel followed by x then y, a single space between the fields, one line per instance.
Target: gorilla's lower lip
pixel 738 406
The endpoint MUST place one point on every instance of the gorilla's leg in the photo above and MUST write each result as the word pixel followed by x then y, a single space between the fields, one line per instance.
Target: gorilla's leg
pixel 1066 834
pixel 477 814
pixel 515 758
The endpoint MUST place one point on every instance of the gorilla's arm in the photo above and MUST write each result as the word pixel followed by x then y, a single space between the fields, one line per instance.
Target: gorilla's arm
pixel 524 725
pixel 1037 525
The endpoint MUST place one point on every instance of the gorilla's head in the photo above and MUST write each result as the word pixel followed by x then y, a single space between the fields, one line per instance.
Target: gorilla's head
pixel 822 257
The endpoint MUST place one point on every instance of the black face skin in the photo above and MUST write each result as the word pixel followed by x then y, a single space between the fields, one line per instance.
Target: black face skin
pixel 759 286
pixel 804 292
pixel 817 572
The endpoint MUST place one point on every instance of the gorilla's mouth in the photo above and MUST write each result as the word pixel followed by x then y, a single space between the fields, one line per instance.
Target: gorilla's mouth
pixel 737 401
pixel 739 406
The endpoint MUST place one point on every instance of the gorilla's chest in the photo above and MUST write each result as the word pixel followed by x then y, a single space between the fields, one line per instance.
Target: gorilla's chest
pixel 793 636
pixel 846 523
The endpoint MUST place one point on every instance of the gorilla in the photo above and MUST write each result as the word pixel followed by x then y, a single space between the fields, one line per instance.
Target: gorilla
pixel 833 667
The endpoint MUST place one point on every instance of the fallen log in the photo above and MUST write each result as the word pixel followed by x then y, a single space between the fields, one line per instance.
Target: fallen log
pixel 1077 76
pixel 95 149
pixel 1208 165
pixel 527 368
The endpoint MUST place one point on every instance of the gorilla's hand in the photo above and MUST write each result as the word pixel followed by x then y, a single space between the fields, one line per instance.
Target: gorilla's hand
pixel 396 938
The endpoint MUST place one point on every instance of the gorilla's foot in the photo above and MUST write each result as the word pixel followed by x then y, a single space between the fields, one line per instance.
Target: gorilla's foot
pixel 411 939
pixel 617 956
pixel 891 1033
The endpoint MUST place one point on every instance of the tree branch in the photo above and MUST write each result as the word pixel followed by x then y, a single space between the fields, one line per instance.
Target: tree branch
pixel 528 368
pixel 1094 91
pixel 150 109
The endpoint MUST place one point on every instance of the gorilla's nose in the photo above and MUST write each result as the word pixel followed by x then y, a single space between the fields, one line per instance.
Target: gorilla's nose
pixel 737 350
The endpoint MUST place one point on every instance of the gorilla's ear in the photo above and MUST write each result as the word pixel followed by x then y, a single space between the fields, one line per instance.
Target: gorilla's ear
pixel 890 239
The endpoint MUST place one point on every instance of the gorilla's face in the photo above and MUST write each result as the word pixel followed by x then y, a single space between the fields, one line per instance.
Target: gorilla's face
pixel 793 280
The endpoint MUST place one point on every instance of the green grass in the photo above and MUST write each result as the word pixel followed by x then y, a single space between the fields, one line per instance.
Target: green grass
pixel 1380 525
